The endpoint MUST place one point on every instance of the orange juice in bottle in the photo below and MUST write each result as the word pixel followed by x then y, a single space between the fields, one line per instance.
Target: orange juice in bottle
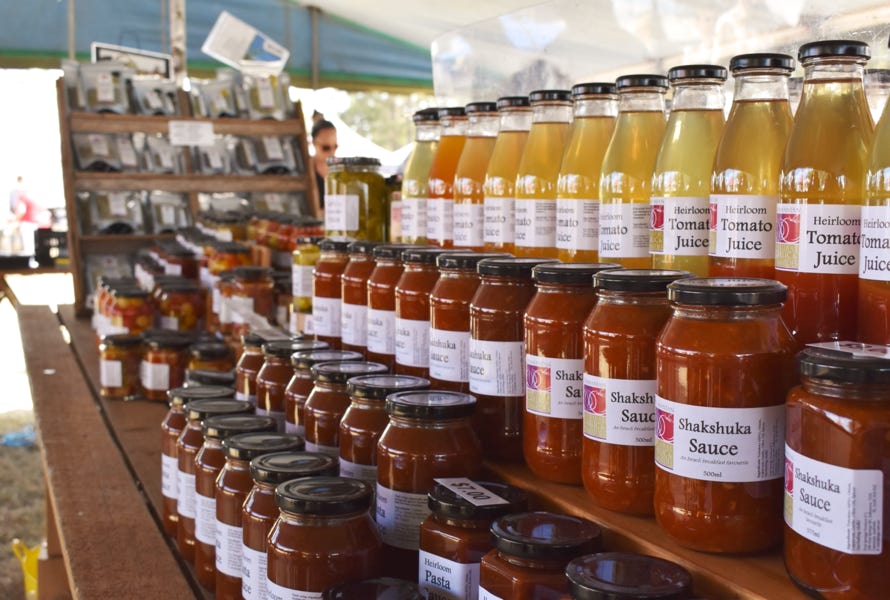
pixel 578 186
pixel 417 172
pixel 745 178
pixel 440 185
pixel 469 178
pixel 681 183
pixel 822 188
pixel 626 174
pixel 538 171
pixel 515 115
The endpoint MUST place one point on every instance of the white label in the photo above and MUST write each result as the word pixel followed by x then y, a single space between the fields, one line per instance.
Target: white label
pixel 205 519
pixel 624 230
pixel 683 222
pixel 301 281
pixel 440 219
pixel 165 155
pixel 471 491
pixel 399 515
pixel 445 579
pixel 381 331
pixel 577 224
pixel 111 373
pixel 168 214
pixel 553 386
pixel 99 144
pixel 171 322
pixel 742 226
pixel 154 376
pixel 172 269
pixel 169 476
pixel 326 316
pixel 619 411
pixel 104 87
pixel 228 549
pixel 818 238
pixel 354 324
pixel 486 595
pixel 413 217
pixel 719 444
pixel 833 506
pixel 185 500
pixel 341 212
pixel 874 246
pixel 358 471
pixel 117 204
pixel 468 224
pixel 449 355
pixel 253 574
pixel 191 133
pixel 329 450
pixel 496 368
pixel 535 223
pixel 499 218
pixel 856 349
pixel 272 146
pixel 127 153
pixel 153 99
pixel 264 93
pixel 412 342
pixel 277 592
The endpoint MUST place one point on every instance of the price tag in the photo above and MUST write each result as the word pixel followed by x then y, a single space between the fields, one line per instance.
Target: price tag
pixel 127 152
pixel 471 491
pixel 99 144
pixel 856 349
pixel 191 133
pixel 165 155
pixel 274 151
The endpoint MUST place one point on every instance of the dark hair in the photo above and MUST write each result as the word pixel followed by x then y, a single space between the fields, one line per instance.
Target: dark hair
pixel 320 126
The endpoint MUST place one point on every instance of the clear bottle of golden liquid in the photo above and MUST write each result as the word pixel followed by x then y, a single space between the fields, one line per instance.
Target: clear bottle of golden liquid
pixel 626 174
pixel 469 178
pixel 416 176
pixel 515 117
pixel 538 171
pixel 681 183
pixel 578 186
pixel 745 178
pixel 822 189
pixel 440 185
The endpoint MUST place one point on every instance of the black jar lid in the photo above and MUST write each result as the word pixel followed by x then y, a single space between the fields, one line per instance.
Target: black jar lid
pixel 278 467
pixel 353 161
pixel 480 107
pixel 220 427
pixel 644 80
pixel 426 115
pixel 570 273
pixel 762 60
pixel 341 371
pixel 827 48
pixel 232 248
pixel 623 575
pixel 593 88
pixel 181 286
pixel 637 280
pixel 846 362
pixel 335 244
pixel 363 247
pixel 697 72
pixel 202 377
pixel 465 260
pixel 251 273
pixel 430 404
pixel 510 267
pixel 444 501
pixel 122 340
pixel 550 96
pixel 451 111
pixel 393 251
pixel 252 340
pixel 727 291
pixel 209 351
pixel 309 239
pixel 323 496
pixel 507 102
pixel 249 445
pixel 382 588
pixel 422 256
pixel 286 348
pixel 129 292
pixel 180 396
pixel 545 535
pixel 169 341
pixel 198 410
pixel 305 359
pixel 378 387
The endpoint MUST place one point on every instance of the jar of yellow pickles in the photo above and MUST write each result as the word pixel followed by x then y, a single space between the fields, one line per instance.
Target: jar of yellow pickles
pixel 305 255
pixel 356 198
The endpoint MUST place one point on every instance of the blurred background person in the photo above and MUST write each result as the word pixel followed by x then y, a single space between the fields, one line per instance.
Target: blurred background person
pixel 324 144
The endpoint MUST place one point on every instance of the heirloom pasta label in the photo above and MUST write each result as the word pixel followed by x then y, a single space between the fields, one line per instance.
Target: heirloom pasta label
pixel 443 579
pixel 553 386
pixel 619 411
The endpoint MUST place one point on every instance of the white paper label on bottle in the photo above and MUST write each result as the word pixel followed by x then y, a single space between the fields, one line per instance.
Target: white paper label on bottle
pixel 341 212
pixel 719 444
pixel 683 223
pixel 399 515
pixel 301 281
pixel 413 217
pixel 358 471
pixel 322 449
pixel 468 220
pixel 277 592
pixel 535 223
pixel 169 476
pixel 104 87
pixel 99 145
pixel 214 158
pixel 619 411
pixel 326 316
pixel 874 246
pixel 499 218
pixel 818 238
pixel 449 355
pixel 742 226
pixel 272 146
pixel 624 230
pixel 440 219
pixel 496 368
pixel 228 549
pixel 354 324
pixel 412 342
pixel 205 519
pixel 553 386
pixel 172 269
pixel 444 579
pixel 111 373
pixel 170 322
pixel 127 152
pixel 382 331
pixel 577 224
pixel 153 99
pixel 154 376
pixel 185 499
pixel 264 93
pixel 833 506
pixel 486 595
pixel 165 155
pixel 471 491
pixel 253 574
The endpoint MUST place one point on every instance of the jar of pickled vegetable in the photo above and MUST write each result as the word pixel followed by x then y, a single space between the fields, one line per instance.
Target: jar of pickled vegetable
pixel 131 310
pixel 227 256
pixel 305 255
pixel 326 289
pixel 181 307
pixel 355 198
pixel 254 291
pixel 163 365
pixel 180 261
pixel 119 361
pixel 300 385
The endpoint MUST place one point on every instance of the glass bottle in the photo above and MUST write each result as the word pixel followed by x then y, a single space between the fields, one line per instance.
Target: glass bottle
pixel 627 576
pixel 469 177
pixel 417 172
pixel 353 292
pixel 326 290
pixel 381 289
pixel 300 385
pixel 440 186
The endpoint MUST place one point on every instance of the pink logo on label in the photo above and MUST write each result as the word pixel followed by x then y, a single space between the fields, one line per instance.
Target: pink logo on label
pixel 789 476
pixel 664 425
pixel 656 217
pixel 712 216
pixel 595 400
pixel 787 228
pixel 537 378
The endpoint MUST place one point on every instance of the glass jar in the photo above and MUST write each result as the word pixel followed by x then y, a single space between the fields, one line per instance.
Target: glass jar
pixel 355 198
pixel 163 365
pixel 469 175
pixel 456 534
pixel 416 175
pixel 283 300
pixel 531 551
pixel 497 353
pixel 221 303
pixel 440 184
pixel 305 255
pixel 210 356
pixel 326 289
pixel 324 536
pixel 196 377
pixel 254 291
pixel 837 476
pixel 724 364
pixel 618 451
pixel 274 375
pixel 381 588
pixel 554 368
pixel 119 361
pixel 181 307
pixel 412 334
pixel 627 576
pixel 178 260
pixel 381 288
pixel 131 311
pixel 226 256
pixel 259 511
pixel 249 364
pixel 354 293
pixel 429 435
pixel 300 384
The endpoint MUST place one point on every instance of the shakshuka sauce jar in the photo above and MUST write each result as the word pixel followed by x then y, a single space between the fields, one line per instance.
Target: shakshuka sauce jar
pixel 381 289
pixel 837 472
pixel 429 435
pixel 381 588
pixel 273 377
pixel 232 486
pixel 456 534
pixel 326 289
pixel 724 364
pixel 366 418
pixel 354 293
pixel 328 401
pixel 554 368
pixel 249 364
pixel 300 384
pixel 259 511
pixel 324 536
pixel 531 551
pixel 449 343
pixel 627 576
pixel 618 449
pixel 497 353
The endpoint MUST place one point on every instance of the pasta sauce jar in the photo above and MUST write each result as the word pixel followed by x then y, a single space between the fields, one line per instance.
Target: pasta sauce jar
pixel 381 288
pixel 249 364
pixel 300 385
pixel 354 293
pixel 554 368
pixel 724 364
pixel 274 375
pixel 837 471
pixel 380 588
pixel 627 576
pixel 326 289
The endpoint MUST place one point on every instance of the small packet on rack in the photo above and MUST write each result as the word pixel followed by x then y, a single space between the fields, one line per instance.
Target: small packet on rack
pixel 217 98
pixel 213 159
pixel 96 152
pixel 266 99
pixel 160 156
pixel 244 155
pixel 168 212
pixel 126 152
pixel 155 96
pixel 105 86
pixel 271 156
pixel 110 213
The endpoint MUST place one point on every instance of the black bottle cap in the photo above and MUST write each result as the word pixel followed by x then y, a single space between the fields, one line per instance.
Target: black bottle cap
pixel 430 404
pixel 422 256
pixel 465 260
pixel 481 107
pixel 378 387
pixel 220 427
pixel 616 575
pixel 762 60
pixel 510 267
pixel 654 81
pixel 286 348
pixel 550 96
pixel 585 89
pixel 570 273
pixel 335 244
pixel 726 291
pixel 198 410
pixel 393 251
pixel 209 351
pixel 323 496
pixel 426 115
pixel 448 503
pixel 181 396
pixel 505 102
pixel 305 360
pixel 697 72
pixel 637 280
pixel 846 362
pixel 452 111
pixel 852 48
pixel 342 371
pixel 204 377
pixel 363 247
pixel 545 535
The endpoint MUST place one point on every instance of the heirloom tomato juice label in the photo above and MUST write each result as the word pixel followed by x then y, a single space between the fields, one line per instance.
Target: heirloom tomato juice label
pixel 818 238
pixel 874 245
pixel 742 226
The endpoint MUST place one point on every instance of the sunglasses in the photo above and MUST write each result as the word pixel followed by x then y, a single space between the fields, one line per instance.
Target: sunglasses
pixel 327 147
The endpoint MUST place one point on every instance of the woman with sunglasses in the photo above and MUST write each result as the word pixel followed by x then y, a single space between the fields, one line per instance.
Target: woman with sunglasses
pixel 324 140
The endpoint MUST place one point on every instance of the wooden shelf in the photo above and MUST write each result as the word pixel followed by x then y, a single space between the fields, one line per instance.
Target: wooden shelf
pixel 111 123
pixel 89 181
pixel 127 242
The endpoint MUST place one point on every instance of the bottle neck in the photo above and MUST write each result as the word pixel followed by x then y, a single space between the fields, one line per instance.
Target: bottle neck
pixel 727 313
pixel 330 386
pixel 641 100
pixel 552 112
pixel 595 106
pixel 761 85
pixel 212 443
pixel 427 132
pixel 450 521
pixel 698 95
pixel 417 423
pixel 632 298
pixel 453 126
pixel 275 361
pixel 833 68
pixel 519 119
pixel 482 125
pixel 303 520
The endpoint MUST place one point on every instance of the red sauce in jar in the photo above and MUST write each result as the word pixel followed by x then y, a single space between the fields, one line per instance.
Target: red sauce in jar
pixel 248 366
pixel 627 576
pixel 300 385
pixel 381 288
pixel 273 377
pixel 354 292
pixel 326 289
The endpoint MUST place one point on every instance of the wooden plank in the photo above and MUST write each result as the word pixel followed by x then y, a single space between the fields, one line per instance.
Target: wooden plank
pixel 110 123
pixel 88 181
pixel 52 581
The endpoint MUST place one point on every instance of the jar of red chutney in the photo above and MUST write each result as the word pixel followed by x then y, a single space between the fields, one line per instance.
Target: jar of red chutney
pixel 274 375
pixel 300 384
pixel 354 293
pixel 381 288
pixel 326 290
